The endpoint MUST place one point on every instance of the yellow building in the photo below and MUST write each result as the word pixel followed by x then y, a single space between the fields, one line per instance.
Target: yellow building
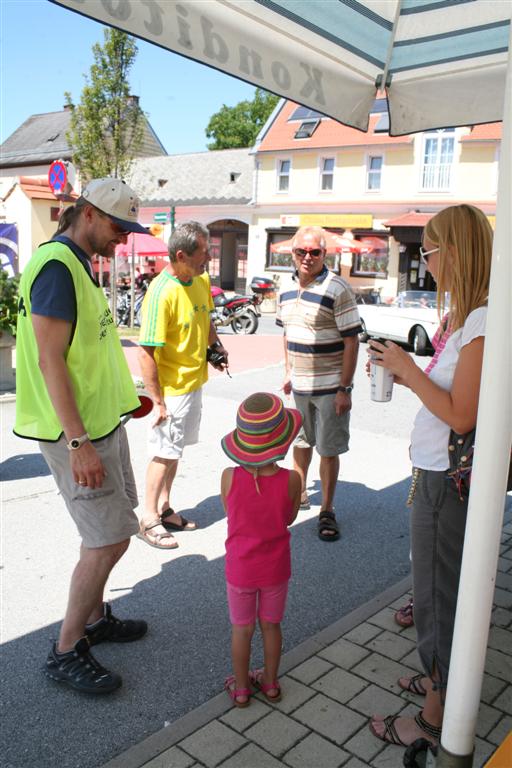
pixel 377 189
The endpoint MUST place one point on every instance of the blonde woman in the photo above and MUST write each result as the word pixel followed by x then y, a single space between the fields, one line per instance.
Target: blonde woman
pixel 457 247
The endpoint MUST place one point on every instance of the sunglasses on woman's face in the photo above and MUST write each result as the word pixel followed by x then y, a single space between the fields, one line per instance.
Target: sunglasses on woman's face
pixel 426 254
pixel 303 252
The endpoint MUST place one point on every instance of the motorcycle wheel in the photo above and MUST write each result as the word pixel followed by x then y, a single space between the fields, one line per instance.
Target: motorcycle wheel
pixel 245 324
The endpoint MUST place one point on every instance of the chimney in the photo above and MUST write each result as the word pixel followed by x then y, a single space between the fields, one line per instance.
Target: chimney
pixel 69 107
pixel 133 101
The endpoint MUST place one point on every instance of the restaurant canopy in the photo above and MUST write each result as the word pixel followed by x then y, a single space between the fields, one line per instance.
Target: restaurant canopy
pixel 334 244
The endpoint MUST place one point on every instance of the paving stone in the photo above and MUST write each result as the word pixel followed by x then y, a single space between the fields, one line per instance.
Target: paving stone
pixel 507 552
pixel 310 670
pixel 385 619
pixel 412 660
pixel 340 685
pixel 504 580
pixel 390 757
pixel 277 733
pixel 364 744
pixel 504 701
pixel 497 735
pixel 500 639
pixel 409 633
pixel 491 687
pixel 171 758
pixel 241 719
pixel 396 604
pixel 343 653
pixel 498 664
pixel 376 701
pixel 382 671
pixel 355 763
pixel 502 617
pixel 483 751
pixel 335 721
pixel 315 751
pixel 504 564
pixel 212 743
pixel 294 694
pixel 388 644
pixel 362 634
pixel 488 717
pixel 503 598
pixel 252 756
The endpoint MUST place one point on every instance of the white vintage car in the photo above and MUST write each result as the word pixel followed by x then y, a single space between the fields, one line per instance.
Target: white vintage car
pixel 411 319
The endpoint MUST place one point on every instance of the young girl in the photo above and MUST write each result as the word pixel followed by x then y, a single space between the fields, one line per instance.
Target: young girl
pixel 261 500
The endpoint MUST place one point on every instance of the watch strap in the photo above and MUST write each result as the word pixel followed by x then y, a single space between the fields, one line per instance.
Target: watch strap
pixel 77 442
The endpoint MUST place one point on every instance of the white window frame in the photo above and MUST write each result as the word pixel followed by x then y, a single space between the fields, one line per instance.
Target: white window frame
pixel 497 155
pixel 439 170
pixel 369 157
pixel 322 172
pixel 279 174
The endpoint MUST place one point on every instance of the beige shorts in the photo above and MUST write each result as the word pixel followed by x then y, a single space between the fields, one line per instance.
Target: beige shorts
pixel 103 515
pixel 168 439
pixel 320 425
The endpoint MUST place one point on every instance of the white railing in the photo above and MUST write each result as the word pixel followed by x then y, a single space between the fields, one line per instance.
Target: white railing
pixel 436 176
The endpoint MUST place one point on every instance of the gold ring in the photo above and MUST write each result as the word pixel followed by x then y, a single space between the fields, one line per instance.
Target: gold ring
pixel 82 482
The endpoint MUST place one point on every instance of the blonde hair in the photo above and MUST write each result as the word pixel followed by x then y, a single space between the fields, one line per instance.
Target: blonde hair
pixel 317 232
pixel 464 237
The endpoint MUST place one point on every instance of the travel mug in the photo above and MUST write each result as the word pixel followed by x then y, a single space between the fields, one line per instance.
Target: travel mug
pixel 381 383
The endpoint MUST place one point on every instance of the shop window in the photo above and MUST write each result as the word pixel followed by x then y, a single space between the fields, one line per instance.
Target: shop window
pixel 214 249
pixel 279 260
pixel 374 173
pixel 373 259
pixel 437 163
pixel 283 175
pixel 241 260
pixel 327 174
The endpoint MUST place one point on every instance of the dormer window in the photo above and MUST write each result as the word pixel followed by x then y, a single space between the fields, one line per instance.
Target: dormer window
pixel 52 138
pixel 233 177
pixel 162 183
pixel 307 129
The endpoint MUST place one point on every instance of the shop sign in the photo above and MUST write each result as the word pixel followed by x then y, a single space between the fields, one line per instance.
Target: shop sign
pixel 290 220
pixel 341 220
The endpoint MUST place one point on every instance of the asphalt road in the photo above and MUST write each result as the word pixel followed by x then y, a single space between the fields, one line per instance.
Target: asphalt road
pixel 185 657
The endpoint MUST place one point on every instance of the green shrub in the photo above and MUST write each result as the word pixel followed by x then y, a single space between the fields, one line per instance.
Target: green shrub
pixel 8 302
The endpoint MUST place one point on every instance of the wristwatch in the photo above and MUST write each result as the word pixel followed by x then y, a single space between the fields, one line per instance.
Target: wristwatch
pixel 77 442
pixel 348 389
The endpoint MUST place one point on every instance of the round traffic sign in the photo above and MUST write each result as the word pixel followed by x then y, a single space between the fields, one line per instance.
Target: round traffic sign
pixel 57 176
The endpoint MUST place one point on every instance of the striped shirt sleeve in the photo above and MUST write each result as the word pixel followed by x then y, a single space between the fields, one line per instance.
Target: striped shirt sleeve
pixel 155 317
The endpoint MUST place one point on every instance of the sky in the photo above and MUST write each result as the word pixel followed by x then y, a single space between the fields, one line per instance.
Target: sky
pixel 45 50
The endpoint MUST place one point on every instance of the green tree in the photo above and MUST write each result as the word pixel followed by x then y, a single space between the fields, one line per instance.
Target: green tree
pixel 8 302
pixel 107 126
pixel 238 126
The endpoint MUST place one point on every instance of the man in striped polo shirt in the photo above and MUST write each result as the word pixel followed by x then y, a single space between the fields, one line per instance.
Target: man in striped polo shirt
pixel 321 325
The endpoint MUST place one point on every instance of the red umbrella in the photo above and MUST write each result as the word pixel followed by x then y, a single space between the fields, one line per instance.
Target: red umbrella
pixel 335 243
pixel 144 247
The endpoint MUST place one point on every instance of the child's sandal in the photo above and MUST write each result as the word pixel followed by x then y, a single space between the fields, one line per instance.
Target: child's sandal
pixel 236 693
pixel 255 678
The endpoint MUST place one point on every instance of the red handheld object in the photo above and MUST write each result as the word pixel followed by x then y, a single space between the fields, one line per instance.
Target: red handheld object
pixel 145 407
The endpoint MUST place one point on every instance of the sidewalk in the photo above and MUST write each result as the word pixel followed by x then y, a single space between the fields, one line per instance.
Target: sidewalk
pixel 331 684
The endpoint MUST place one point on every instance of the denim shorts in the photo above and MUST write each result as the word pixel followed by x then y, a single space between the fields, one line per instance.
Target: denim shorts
pixel 438 524
pixel 320 425
pixel 105 515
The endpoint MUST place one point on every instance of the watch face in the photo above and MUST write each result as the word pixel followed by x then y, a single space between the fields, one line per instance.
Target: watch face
pixel 75 443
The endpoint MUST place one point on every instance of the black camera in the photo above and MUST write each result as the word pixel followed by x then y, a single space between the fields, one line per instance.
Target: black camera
pixel 216 358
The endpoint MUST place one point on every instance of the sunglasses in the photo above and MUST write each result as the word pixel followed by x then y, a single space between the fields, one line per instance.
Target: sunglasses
pixel 303 252
pixel 425 254
pixel 115 227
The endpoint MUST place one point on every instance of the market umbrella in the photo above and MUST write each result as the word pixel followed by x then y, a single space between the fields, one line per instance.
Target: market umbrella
pixel 139 246
pixel 334 244
pixel 442 63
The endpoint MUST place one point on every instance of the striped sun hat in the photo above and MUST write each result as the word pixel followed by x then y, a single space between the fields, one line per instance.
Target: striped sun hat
pixel 264 431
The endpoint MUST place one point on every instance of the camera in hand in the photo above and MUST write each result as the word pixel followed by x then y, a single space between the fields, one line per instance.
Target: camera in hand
pixel 216 358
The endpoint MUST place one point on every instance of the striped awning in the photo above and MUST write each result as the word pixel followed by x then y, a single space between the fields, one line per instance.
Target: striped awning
pixel 441 62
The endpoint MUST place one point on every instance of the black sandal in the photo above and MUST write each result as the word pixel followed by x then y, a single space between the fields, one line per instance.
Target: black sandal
pixel 328 529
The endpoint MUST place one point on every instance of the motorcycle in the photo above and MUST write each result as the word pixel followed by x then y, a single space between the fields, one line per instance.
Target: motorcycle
pixel 123 307
pixel 242 313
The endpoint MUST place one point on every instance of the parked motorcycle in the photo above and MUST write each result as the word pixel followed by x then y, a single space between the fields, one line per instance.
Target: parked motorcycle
pixel 240 312
pixel 123 308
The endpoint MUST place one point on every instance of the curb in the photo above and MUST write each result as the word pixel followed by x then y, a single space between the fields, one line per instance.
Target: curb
pixel 141 753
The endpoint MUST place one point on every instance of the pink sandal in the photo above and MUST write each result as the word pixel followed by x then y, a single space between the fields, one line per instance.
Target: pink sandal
pixel 235 693
pixel 255 678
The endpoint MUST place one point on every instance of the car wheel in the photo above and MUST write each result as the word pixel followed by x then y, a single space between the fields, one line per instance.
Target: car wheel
pixel 363 336
pixel 420 341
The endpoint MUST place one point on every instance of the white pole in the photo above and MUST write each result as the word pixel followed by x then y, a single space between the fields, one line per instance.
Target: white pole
pixel 486 502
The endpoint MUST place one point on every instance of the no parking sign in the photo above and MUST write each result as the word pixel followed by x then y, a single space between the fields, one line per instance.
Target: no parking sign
pixel 61 177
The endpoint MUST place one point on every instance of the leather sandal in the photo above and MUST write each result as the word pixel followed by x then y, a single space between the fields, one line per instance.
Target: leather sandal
pixel 176 526
pixel 304 501
pixel 144 534
pixel 235 693
pixel 328 529
pixel 414 684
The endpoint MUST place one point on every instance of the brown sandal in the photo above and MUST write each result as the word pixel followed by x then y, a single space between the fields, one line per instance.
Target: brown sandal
pixel 157 537
pixel 414 684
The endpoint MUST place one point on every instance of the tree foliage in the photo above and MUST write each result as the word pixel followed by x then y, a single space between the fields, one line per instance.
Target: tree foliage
pixel 238 126
pixel 8 302
pixel 107 126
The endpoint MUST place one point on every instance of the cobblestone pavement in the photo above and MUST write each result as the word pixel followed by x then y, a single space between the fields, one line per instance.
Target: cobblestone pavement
pixel 331 684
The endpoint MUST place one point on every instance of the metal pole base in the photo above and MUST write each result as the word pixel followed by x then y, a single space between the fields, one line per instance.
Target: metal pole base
pixel 445 759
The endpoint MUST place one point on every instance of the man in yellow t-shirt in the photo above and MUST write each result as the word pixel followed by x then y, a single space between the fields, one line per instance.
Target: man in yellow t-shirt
pixel 175 334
